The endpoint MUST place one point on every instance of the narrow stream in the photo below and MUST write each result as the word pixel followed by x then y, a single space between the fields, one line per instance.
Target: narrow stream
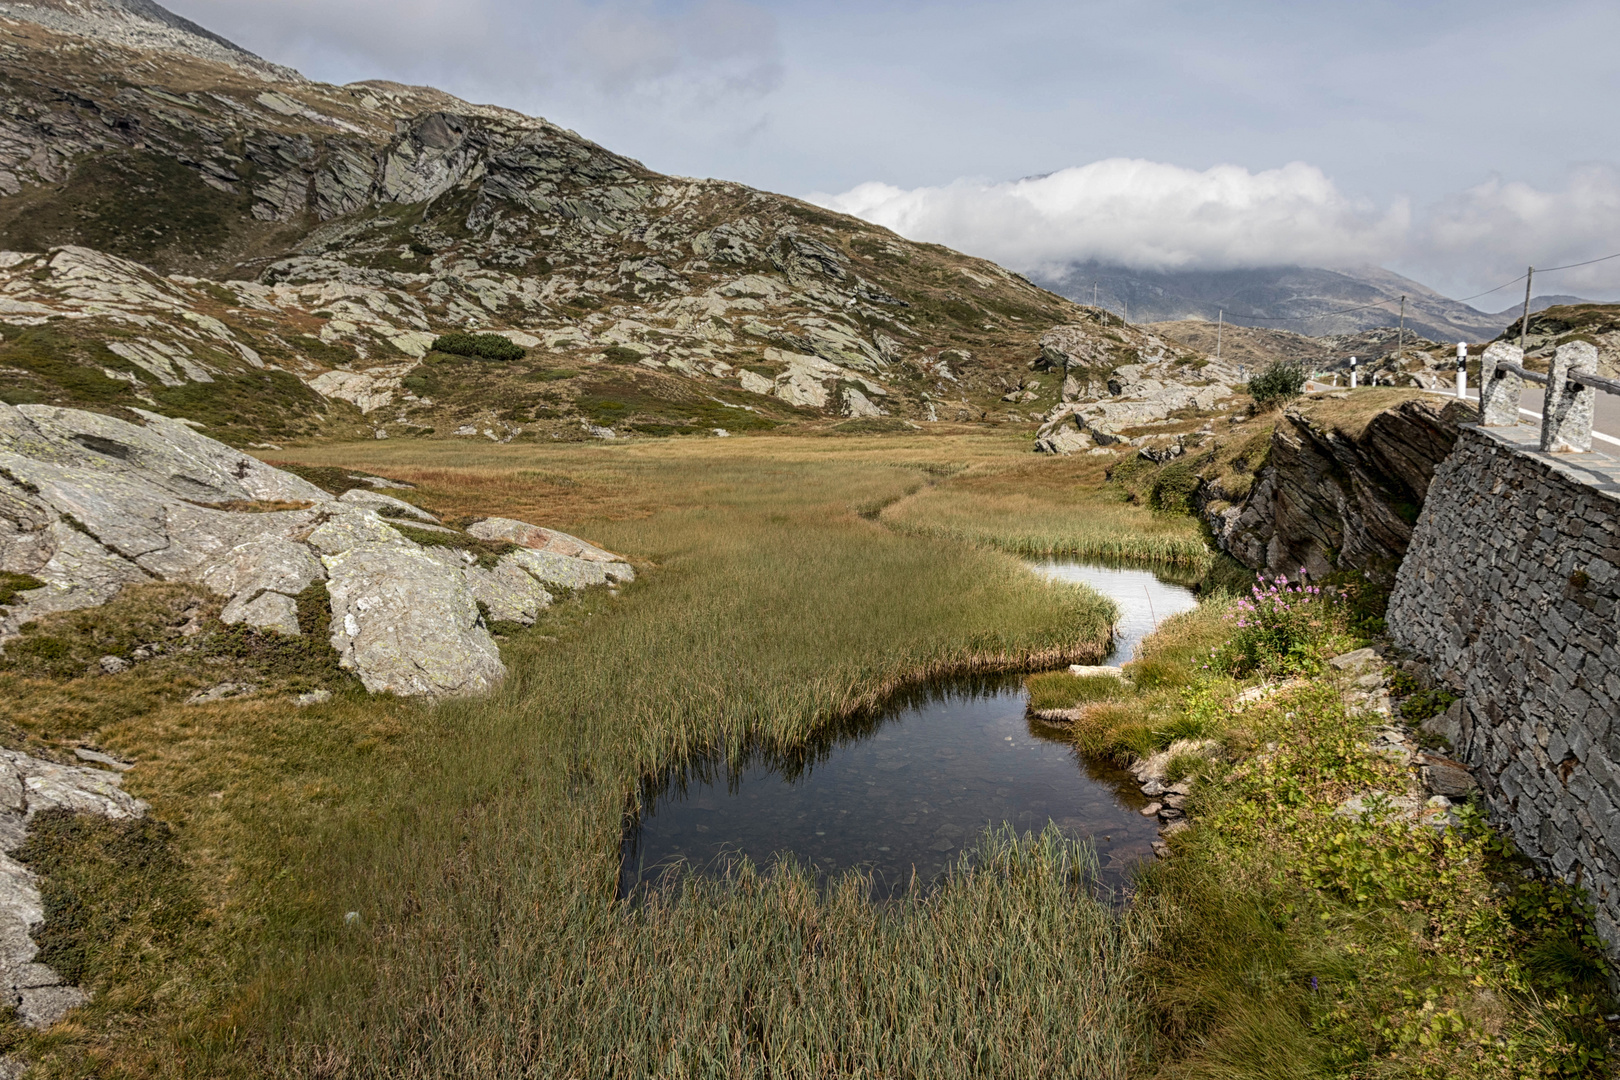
pixel 902 793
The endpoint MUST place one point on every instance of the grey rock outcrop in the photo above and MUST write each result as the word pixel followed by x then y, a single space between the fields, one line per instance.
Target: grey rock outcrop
pixel 27 786
pixel 90 503
pixel 1331 498
pixel 1128 396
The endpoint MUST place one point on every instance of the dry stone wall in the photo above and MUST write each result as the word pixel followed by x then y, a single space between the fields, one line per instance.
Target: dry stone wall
pixel 1510 589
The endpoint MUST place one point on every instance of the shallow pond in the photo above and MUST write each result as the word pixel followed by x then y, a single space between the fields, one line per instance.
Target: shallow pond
pixel 902 793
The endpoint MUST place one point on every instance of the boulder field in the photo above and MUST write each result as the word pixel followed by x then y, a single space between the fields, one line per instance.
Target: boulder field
pixel 90 503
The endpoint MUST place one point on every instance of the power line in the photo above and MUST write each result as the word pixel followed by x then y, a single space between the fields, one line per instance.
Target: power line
pixel 1499 288
pixel 1381 303
pixel 1588 262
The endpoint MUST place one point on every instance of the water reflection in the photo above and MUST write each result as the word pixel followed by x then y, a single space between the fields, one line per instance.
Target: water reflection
pixel 905 791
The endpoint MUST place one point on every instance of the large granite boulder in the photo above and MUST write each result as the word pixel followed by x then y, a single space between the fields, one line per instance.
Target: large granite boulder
pixel 90 503
pixel 1140 395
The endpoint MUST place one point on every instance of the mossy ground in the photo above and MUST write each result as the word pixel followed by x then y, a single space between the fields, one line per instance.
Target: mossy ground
pixel 1300 944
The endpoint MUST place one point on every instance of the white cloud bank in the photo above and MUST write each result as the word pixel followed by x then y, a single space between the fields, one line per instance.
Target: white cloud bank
pixel 1142 214
pixel 1154 216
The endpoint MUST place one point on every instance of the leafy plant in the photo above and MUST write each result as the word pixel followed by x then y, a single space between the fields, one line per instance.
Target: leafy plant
pixel 479 346
pixel 1282 381
pixel 1281 629
pixel 1173 489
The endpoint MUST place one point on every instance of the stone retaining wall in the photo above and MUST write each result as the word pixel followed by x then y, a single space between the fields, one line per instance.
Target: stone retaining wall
pixel 1509 589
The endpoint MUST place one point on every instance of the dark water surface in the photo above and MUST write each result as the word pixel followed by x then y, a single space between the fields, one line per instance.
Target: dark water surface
pixel 903 793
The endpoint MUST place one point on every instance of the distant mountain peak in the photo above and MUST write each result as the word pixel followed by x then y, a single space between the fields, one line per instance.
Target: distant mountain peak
pixel 142 24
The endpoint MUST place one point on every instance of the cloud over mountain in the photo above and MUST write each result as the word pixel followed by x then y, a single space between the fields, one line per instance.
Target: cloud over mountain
pixel 1143 214
pixel 1153 216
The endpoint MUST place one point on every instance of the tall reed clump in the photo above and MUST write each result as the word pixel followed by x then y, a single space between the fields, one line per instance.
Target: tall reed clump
pixel 1011 968
pixel 479 858
pixel 1090 525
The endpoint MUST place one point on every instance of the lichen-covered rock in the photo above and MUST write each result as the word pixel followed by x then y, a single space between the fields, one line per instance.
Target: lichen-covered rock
pixel 509 592
pixel 262 577
pixel 540 539
pixel 386 505
pixel 405 625
pixel 89 504
pixel 1137 400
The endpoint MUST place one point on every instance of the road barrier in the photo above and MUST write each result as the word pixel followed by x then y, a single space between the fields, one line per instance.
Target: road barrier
pixel 1572 385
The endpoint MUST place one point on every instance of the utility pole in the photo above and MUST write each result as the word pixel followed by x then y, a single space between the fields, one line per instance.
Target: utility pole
pixel 1220 324
pixel 1400 336
pixel 1093 293
pixel 1524 322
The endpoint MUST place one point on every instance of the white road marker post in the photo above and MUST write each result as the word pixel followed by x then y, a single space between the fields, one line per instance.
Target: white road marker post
pixel 1462 369
pixel 1352 373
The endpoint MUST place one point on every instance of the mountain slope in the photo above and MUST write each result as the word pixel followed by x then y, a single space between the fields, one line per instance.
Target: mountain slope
pixel 277 260
pixel 1293 298
pixel 140 24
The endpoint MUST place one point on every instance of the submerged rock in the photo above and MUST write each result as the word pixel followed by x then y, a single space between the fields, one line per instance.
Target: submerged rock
pixel 90 503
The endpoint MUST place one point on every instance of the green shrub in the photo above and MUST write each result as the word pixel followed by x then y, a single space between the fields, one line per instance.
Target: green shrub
pixel 1281 382
pixel 619 354
pixel 12 584
pixel 479 346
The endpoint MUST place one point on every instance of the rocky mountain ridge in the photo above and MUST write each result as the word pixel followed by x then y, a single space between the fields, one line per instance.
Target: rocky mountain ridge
pixel 195 235
pixel 141 24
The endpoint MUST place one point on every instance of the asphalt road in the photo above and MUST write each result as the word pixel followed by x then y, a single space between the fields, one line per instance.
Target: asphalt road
pixel 1605 413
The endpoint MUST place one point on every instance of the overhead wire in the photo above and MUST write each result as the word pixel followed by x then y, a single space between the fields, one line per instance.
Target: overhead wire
pixel 1381 303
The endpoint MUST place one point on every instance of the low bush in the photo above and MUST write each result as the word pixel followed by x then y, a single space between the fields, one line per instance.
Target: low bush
pixel 1280 383
pixel 1173 489
pixel 479 346
pixel 12 584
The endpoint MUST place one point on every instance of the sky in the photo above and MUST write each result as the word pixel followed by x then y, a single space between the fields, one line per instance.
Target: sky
pixel 1455 142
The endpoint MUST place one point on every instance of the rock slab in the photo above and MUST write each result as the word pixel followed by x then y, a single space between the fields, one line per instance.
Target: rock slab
pixel 90 503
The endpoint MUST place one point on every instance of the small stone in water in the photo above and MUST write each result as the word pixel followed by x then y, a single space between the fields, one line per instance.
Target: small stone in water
pixel 1151 808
